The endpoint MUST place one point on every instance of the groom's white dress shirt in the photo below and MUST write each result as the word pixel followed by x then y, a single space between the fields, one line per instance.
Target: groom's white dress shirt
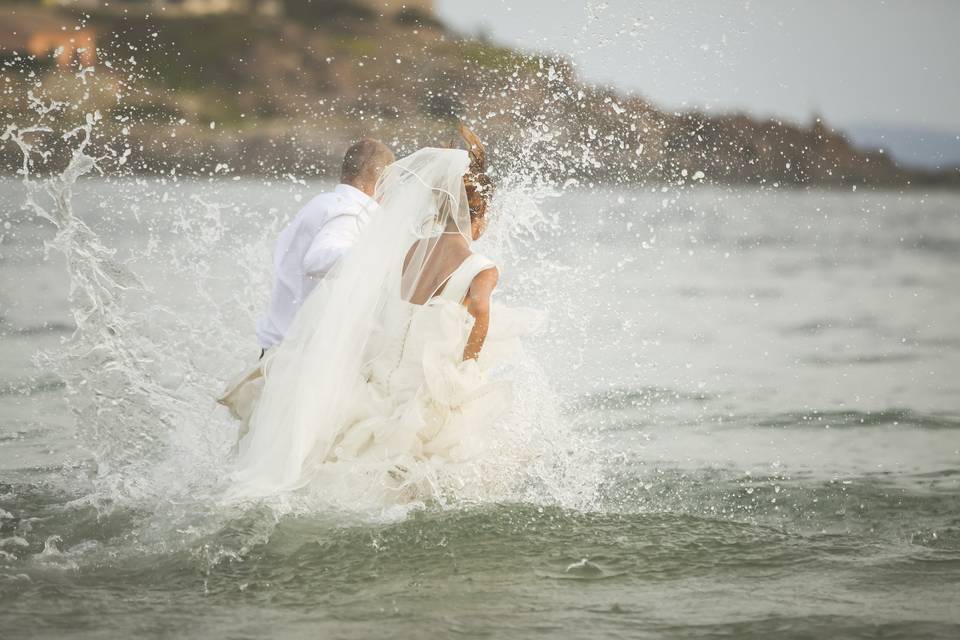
pixel 320 234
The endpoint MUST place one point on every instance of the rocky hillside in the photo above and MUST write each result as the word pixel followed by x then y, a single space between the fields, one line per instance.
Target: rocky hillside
pixel 285 95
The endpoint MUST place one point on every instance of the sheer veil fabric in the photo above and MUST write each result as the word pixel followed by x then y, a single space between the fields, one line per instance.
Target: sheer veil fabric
pixel 338 366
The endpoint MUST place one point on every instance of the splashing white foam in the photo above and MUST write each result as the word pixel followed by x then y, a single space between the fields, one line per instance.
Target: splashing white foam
pixel 151 348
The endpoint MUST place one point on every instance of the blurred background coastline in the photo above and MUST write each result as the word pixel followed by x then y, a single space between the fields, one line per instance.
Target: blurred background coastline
pixel 277 87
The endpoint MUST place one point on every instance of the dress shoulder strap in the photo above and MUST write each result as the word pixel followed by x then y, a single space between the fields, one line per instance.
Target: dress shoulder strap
pixel 459 281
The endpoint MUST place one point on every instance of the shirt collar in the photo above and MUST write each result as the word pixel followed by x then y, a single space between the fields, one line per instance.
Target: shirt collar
pixel 356 195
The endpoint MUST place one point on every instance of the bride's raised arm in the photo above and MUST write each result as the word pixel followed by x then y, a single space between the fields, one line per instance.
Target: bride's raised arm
pixel 477 302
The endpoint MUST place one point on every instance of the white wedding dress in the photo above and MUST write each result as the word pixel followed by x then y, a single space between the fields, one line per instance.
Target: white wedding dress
pixel 369 396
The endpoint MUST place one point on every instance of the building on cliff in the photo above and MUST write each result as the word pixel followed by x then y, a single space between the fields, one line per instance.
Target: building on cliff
pixel 182 8
pixel 31 31
pixel 264 7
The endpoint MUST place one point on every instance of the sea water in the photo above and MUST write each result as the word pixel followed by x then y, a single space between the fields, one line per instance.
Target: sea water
pixel 758 389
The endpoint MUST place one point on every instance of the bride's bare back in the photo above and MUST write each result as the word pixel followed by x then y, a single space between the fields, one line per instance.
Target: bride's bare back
pixel 447 254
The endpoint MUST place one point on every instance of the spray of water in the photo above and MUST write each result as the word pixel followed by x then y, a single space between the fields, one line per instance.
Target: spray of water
pixel 158 332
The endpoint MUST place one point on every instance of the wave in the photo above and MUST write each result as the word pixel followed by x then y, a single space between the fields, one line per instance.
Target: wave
pixel 34 386
pixel 625 398
pixel 840 419
pixel 865 359
pixel 549 541
pixel 815 626
pixel 823 325
pixel 40 329
pixel 939 245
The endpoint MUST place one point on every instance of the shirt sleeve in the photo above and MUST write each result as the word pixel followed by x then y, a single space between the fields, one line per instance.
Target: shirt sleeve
pixel 334 240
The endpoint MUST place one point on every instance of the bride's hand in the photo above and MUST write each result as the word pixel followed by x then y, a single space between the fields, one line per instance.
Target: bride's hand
pixel 477 302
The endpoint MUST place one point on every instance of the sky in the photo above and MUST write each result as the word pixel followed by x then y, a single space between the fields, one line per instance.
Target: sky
pixel 857 62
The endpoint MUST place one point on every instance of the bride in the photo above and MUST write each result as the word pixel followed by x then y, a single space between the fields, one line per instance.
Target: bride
pixel 381 385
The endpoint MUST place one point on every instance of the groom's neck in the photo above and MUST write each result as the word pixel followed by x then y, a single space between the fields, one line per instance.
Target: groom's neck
pixel 361 186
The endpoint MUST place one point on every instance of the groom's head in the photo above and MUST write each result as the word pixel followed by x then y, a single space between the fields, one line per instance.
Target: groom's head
pixel 363 163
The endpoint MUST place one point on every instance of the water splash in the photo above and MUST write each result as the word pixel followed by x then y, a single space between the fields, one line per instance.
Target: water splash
pixel 152 345
pixel 98 284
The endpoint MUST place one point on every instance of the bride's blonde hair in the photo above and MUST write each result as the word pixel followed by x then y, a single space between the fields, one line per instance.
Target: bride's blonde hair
pixel 476 182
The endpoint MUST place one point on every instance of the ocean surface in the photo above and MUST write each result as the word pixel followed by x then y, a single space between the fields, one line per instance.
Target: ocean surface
pixel 759 391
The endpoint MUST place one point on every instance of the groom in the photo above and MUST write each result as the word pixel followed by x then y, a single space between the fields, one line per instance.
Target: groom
pixel 318 237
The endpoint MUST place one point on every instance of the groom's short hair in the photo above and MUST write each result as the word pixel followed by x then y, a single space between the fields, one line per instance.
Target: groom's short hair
pixel 364 161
